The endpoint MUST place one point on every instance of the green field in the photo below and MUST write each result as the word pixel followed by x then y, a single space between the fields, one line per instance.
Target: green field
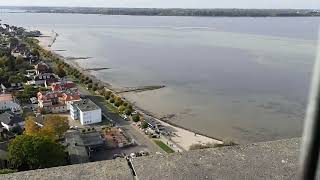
pixel 164 146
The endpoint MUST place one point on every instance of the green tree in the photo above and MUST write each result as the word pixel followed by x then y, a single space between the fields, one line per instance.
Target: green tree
pixel 111 100
pixel 144 125
pixel 60 72
pixel 136 118
pixel 122 108
pixel 33 152
pixel 128 112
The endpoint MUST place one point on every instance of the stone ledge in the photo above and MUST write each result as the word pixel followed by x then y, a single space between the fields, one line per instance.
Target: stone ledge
pixel 267 160
pixel 103 170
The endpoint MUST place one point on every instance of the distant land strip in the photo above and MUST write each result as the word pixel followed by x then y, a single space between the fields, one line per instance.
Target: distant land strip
pixel 172 11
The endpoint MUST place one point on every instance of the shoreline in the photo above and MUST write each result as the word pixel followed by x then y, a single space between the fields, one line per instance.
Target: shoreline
pixel 184 137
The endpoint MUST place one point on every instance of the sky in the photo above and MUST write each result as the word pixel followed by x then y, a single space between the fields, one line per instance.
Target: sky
pixel 308 4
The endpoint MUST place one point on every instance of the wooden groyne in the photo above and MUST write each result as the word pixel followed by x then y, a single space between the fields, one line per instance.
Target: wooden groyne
pixel 139 89
pixel 95 69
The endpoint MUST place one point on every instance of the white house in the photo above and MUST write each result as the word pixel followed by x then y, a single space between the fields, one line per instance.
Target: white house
pixel 7 102
pixel 10 120
pixel 86 111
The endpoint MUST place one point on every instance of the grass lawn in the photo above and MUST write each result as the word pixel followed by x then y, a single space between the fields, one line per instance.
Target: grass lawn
pixel 163 146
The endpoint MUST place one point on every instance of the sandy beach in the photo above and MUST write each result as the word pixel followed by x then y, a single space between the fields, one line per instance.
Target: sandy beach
pixel 182 138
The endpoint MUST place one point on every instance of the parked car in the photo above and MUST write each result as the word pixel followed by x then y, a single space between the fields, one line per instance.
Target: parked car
pixel 144 153
pixel 115 156
pixel 133 155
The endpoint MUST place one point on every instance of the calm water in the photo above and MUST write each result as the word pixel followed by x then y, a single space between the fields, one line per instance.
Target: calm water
pixel 244 79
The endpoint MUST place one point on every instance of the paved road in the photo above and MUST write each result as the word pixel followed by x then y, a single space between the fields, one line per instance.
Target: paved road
pixel 142 141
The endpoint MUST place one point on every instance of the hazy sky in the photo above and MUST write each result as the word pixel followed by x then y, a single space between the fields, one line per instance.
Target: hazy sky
pixel 312 4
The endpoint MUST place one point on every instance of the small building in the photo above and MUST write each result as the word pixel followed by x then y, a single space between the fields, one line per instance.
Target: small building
pixel 11 120
pixel 43 79
pixel 7 102
pixel 86 111
pixel 77 150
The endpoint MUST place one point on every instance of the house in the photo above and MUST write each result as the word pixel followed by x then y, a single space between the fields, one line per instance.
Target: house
pixel 86 111
pixel 7 102
pixel 57 102
pixel 60 86
pixel 42 68
pixel 43 79
pixel 10 120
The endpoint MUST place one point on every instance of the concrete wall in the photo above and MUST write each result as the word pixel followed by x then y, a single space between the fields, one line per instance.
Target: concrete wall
pixel 90 117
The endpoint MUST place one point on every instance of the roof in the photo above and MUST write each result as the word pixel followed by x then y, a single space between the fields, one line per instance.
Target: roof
pixel 6 97
pixel 58 86
pixel 76 149
pixel 10 118
pixel 92 139
pixel 86 105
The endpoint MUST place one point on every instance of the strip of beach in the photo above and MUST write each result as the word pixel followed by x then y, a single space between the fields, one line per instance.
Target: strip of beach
pixel 182 139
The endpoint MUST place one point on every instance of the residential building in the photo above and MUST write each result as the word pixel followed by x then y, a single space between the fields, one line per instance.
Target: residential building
pixel 43 79
pixel 10 120
pixel 86 111
pixel 62 85
pixel 7 102
pixel 57 102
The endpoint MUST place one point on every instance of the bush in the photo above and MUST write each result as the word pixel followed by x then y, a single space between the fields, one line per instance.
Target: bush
pixel 7 171
pixel 94 88
pixel 128 112
pixel 125 104
pixel 136 118
pixel 111 100
pixel 107 97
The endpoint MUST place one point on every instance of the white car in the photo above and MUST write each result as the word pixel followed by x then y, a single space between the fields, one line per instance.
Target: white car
pixel 133 155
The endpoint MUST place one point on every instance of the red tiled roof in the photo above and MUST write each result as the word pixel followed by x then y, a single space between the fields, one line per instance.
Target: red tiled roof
pixel 6 97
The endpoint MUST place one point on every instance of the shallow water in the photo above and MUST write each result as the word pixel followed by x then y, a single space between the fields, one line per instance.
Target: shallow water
pixel 244 79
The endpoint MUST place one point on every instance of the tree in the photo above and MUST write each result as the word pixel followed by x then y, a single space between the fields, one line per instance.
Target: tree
pixel 136 118
pixel 144 125
pixel 122 108
pixel 55 126
pixel 128 112
pixel 35 52
pixel 60 72
pixel 31 128
pixel 111 100
pixel 33 152
pixel 19 60
pixel 89 86
pixel 107 93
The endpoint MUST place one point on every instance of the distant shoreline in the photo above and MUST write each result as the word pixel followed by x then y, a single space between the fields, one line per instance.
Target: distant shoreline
pixel 206 12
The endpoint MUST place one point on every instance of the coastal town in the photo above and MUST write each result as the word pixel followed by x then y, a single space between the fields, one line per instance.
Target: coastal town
pixel 59 114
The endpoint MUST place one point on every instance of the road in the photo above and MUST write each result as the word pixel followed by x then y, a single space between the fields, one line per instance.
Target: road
pixel 143 141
